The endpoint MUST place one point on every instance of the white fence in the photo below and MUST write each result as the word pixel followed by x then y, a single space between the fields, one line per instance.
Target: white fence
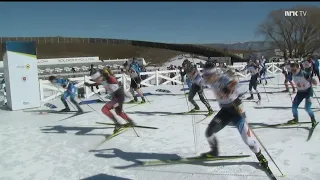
pixel 155 78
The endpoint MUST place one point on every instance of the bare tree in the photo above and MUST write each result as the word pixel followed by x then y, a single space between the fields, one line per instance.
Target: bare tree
pixel 295 36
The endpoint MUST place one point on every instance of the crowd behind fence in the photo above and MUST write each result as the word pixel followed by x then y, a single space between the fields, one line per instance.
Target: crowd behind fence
pixel 152 78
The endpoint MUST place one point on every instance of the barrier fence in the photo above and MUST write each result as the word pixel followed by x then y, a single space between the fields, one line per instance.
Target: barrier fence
pixel 155 78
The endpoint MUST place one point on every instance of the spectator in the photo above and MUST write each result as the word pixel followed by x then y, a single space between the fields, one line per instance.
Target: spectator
pixel 143 69
pixel 172 74
pixel 91 71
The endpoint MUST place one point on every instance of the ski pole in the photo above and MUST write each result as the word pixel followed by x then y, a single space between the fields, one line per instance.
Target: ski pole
pixel 194 124
pixel 265 149
pixel 266 92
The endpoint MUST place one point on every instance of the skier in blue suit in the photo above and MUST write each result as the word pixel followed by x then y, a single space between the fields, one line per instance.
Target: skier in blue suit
pixel 71 91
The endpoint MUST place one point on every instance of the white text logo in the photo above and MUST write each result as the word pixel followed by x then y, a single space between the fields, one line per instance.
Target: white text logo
pixel 295 13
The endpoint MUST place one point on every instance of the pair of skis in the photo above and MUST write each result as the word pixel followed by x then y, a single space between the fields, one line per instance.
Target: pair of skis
pixel 258 102
pixel 287 124
pixel 137 126
pixel 279 125
pixel 76 113
pixel 120 131
pixel 190 113
pixel 134 104
pixel 202 159
pixel 311 131
pixel 195 113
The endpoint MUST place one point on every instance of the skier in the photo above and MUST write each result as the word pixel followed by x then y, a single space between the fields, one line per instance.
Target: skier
pixel 133 71
pixel 182 74
pixel 71 90
pixel 307 66
pixel 197 87
pixel 286 71
pixel 91 70
pixel 111 85
pixel 227 92
pixel 172 74
pixel 263 69
pixel 253 69
pixel 304 84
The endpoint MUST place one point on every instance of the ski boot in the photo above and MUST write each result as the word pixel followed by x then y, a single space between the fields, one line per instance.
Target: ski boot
pixel 293 121
pixel 212 153
pixel 210 112
pixel 143 100
pixel 129 123
pixel 65 110
pixel 117 127
pixel 197 108
pixel 314 122
pixel 262 160
pixel 134 100
pixel 250 98
pixel 80 111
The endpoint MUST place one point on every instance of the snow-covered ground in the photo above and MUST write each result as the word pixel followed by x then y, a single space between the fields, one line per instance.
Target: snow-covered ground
pixel 36 146
pixel 177 61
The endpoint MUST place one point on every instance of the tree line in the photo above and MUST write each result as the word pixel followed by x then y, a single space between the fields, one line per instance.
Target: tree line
pixel 296 36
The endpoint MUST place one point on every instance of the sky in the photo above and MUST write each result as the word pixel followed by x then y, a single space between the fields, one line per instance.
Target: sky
pixel 171 22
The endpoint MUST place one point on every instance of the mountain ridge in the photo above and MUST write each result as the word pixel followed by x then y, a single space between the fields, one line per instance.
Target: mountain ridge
pixel 250 45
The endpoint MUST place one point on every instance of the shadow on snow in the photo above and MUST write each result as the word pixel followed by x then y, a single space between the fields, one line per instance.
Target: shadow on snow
pixel 135 157
pixel 104 177
pixel 84 131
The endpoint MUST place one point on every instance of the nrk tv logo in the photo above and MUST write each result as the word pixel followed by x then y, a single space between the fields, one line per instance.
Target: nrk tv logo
pixel 295 13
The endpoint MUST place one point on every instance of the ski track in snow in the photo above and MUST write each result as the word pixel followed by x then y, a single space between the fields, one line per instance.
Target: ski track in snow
pixel 39 147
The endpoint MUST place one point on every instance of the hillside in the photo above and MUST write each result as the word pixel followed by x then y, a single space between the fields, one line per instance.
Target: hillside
pixel 104 51
pixel 154 52
pixel 253 45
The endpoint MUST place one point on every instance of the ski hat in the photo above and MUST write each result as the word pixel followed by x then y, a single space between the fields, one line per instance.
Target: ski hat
pixel 96 75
